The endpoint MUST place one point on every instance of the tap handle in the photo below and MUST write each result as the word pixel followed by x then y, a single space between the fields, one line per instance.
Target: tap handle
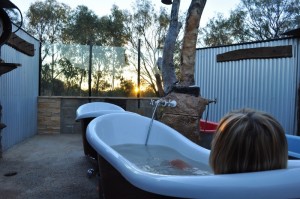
pixel 151 102
pixel 172 103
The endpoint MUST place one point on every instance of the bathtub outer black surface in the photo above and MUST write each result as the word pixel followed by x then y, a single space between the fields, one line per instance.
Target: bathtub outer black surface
pixel 87 148
pixel 112 185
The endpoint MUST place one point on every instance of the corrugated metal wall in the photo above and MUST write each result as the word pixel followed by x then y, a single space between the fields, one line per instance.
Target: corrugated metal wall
pixel 265 84
pixel 18 93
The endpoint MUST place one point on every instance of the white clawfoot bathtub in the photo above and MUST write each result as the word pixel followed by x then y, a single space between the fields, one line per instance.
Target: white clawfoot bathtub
pixel 86 113
pixel 108 131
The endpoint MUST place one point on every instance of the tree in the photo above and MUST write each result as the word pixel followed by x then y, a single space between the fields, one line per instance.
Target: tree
pixel 188 51
pixel 86 28
pixel 78 56
pixel 168 68
pixel 253 20
pixel 70 73
pixel 47 19
pixel 150 26
pixel 108 63
pixel 268 19
pixel 217 31
pixel 83 28
pixel 222 31
pixel 190 105
pixel 127 86
pixel 46 79
pixel 15 16
pixel 114 31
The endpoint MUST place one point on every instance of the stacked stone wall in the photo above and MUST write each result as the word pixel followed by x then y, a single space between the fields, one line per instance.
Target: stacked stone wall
pixel 57 114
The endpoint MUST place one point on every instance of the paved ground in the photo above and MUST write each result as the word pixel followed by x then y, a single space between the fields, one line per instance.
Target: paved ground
pixel 47 166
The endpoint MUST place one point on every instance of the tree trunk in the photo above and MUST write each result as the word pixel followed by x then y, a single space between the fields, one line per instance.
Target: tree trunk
pixel 168 70
pixel 188 51
pixel 190 105
pixel 159 85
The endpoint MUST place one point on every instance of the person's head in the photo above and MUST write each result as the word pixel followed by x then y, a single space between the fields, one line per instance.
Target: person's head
pixel 247 140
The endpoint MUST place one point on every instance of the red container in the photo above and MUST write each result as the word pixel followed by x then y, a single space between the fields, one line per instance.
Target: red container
pixel 207 126
pixel 207 130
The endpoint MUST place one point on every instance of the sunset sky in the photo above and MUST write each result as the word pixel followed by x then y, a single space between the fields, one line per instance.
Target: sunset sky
pixel 102 7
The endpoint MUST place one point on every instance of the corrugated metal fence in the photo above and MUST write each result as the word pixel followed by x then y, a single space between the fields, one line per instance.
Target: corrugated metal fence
pixel 269 85
pixel 18 93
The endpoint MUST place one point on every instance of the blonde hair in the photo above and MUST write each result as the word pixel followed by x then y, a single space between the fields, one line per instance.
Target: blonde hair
pixel 247 140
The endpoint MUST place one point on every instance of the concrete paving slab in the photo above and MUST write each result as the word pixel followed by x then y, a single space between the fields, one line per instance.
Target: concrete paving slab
pixel 47 166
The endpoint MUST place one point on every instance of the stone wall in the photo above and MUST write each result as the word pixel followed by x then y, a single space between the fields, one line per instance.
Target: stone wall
pixel 48 115
pixel 57 114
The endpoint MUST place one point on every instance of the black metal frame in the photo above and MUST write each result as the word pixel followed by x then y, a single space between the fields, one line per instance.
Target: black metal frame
pixel 7 26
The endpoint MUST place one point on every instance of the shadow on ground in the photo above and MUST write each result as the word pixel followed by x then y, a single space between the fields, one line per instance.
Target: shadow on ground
pixel 47 166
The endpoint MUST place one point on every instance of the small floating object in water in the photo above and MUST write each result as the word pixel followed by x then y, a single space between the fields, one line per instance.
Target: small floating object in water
pixel 179 164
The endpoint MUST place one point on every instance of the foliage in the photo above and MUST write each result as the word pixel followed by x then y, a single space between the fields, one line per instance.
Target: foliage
pixel 14 15
pixel 70 74
pixel 78 56
pixel 87 35
pixel 52 23
pixel 46 20
pixel 221 31
pixel 253 20
pixel 65 69
pixel 46 79
pixel 113 27
pixel 47 83
pixel 87 28
pixel 150 26
pixel 108 63
pixel 148 92
pixel 127 86
pixel 83 27
pixel 268 19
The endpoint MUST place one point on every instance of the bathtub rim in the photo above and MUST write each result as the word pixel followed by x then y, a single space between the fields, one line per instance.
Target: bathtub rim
pixel 95 109
pixel 293 145
pixel 213 186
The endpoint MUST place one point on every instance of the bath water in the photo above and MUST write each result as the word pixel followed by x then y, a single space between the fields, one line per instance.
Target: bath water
pixel 157 159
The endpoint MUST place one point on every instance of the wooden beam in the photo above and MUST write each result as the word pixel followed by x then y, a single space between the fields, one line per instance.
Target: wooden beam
pixel 257 53
pixel 6 67
pixel 20 45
